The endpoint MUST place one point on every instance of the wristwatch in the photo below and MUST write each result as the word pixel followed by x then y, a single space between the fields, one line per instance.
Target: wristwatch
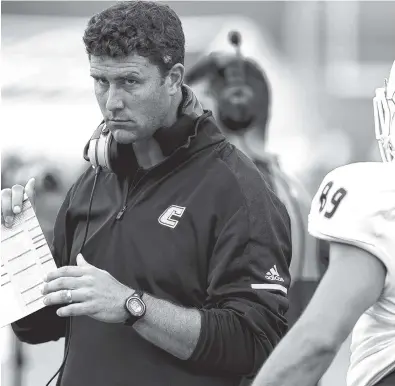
pixel 136 307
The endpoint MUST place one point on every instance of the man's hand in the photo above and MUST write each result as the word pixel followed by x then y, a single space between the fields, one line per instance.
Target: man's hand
pixel 11 201
pixel 94 292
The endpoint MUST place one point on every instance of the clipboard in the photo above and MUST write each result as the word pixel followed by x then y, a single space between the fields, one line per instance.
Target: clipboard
pixel 25 260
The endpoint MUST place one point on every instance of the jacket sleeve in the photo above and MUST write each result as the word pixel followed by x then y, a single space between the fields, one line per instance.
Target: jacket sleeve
pixel 243 318
pixel 45 325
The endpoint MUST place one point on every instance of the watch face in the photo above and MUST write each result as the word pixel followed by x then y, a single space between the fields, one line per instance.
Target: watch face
pixel 136 307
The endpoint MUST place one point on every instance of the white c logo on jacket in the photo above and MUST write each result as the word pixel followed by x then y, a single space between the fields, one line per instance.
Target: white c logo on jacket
pixel 166 218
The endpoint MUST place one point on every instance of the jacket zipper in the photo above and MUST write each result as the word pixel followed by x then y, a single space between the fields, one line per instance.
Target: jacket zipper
pixel 121 212
pixel 130 188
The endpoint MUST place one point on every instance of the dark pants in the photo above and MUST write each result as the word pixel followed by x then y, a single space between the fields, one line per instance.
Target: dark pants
pixel 388 380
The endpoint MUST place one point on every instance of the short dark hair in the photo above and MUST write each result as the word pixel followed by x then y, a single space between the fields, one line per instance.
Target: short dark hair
pixel 147 28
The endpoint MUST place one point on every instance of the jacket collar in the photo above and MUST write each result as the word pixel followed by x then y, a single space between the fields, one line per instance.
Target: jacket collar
pixel 181 132
pixel 194 130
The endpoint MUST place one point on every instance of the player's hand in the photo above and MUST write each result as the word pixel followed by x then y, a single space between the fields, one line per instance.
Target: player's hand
pixel 94 292
pixel 11 201
pixel 384 116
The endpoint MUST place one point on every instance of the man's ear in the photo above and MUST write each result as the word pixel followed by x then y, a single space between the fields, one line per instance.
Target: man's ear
pixel 175 78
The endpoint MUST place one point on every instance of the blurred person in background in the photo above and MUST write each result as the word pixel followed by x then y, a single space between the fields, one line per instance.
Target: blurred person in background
pixel 170 282
pixel 354 210
pixel 238 91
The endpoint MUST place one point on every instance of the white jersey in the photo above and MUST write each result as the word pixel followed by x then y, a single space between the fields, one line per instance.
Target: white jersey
pixel 355 204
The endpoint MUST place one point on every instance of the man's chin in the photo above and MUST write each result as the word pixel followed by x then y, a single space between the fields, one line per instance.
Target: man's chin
pixel 124 137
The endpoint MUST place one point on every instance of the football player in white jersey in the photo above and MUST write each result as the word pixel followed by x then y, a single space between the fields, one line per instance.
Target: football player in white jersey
pixel 354 210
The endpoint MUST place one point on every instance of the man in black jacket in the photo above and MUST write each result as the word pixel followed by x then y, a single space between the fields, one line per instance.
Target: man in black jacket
pixel 184 274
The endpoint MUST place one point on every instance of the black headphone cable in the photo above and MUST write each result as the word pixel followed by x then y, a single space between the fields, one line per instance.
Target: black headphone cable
pixel 68 321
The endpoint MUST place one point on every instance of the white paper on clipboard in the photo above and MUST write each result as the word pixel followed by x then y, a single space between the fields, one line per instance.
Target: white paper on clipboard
pixel 25 259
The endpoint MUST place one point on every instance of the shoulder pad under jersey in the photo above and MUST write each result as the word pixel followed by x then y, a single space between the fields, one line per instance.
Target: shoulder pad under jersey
pixel 355 204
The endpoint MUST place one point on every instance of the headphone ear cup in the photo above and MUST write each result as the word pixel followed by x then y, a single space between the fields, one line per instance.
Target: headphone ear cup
pixel 90 148
pixel 99 150
pixel 102 150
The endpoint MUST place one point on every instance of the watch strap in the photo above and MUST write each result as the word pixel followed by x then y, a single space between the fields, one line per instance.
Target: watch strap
pixel 138 293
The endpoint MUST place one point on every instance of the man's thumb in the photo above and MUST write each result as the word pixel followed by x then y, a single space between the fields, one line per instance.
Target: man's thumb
pixel 30 190
pixel 81 261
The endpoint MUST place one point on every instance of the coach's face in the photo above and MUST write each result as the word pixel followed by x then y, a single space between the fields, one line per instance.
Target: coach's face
pixel 134 98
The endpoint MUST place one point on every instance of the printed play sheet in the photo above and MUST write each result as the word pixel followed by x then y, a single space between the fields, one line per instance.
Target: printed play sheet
pixel 25 259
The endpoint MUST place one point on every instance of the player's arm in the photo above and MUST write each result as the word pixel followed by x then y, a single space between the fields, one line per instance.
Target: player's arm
pixel 352 283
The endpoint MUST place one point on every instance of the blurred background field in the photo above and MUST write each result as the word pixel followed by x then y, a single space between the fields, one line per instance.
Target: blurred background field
pixel 323 61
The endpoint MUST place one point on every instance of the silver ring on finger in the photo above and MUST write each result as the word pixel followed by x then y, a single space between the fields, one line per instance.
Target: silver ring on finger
pixel 69 296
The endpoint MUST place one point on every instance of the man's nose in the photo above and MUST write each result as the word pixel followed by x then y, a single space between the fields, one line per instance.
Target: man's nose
pixel 114 100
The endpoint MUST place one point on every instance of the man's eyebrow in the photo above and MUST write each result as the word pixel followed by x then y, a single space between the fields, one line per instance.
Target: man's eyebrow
pixel 123 75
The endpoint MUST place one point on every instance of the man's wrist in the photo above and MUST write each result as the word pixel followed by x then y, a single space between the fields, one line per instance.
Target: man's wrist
pixel 123 310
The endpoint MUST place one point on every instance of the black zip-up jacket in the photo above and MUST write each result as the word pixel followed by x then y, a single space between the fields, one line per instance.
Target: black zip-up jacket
pixel 226 255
